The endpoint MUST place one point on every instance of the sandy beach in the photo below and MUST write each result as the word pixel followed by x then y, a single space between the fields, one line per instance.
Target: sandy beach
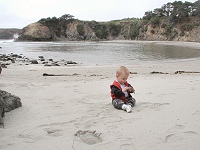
pixel 74 112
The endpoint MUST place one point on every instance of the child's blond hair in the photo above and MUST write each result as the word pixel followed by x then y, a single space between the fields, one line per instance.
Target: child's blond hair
pixel 122 69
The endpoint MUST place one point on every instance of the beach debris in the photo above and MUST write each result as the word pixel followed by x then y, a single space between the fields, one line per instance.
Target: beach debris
pixel 156 72
pixel 95 75
pixel 180 72
pixel 89 137
pixel 47 74
pixel 133 72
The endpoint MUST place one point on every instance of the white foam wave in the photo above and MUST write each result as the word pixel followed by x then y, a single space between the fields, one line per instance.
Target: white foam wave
pixel 7 41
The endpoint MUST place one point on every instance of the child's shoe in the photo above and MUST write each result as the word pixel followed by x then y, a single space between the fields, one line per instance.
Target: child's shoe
pixel 127 108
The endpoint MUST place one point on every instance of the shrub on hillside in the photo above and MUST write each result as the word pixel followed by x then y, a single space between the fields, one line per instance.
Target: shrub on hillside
pixel 80 29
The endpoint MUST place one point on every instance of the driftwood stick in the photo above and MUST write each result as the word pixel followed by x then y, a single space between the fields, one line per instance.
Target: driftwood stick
pixel 180 72
pixel 156 72
pixel 46 74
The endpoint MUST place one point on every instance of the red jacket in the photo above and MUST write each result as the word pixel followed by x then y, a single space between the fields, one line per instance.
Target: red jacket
pixel 116 84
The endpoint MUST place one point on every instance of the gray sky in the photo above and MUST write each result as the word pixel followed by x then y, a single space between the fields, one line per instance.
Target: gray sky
pixel 20 13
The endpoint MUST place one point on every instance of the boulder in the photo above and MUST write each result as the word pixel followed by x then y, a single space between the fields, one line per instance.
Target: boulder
pixel 34 61
pixel 35 32
pixel 8 102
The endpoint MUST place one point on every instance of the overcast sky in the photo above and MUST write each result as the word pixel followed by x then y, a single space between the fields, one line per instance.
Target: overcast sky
pixel 20 13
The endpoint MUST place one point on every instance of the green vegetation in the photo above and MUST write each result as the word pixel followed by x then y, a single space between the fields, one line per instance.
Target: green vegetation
pixel 114 29
pixel 57 25
pixel 80 29
pixel 186 27
pixel 172 19
pixel 101 31
pixel 143 29
pixel 134 30
pixel 173 12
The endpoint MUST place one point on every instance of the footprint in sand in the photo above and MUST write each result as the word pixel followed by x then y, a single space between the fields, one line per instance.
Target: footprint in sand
pixel 54 132
pixel 89 137
pixel 197 112
pixel 126 147
pixel 174 138
pixel 191 133
pixel 154 106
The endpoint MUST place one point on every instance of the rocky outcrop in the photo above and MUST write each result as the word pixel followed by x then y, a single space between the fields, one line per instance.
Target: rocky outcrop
pixel 191 36
pixel 8 102
pixel 36 32
pixel 72 33
pixel 157 33
pixel 40 32
pixel 75 30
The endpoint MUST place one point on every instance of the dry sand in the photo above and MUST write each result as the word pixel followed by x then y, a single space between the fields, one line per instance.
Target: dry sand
pixel 74 112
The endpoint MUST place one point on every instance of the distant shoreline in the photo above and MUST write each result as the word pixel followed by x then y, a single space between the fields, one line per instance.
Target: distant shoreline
pixel 175 43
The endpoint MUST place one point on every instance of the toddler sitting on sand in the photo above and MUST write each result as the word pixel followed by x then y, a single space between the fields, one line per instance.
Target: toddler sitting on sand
pixel 121 89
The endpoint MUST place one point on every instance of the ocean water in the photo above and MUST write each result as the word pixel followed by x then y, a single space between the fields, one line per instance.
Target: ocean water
pixel 101 53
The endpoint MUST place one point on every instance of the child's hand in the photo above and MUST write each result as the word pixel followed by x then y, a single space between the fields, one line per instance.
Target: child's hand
pixel 131 89
pixel 125 89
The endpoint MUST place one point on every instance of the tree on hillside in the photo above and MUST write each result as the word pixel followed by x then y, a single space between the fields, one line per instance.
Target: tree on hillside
pixel 66 17
pixel 196 8
pixel 167 9
pixel 148 15
pixel 175 11
pixel 114 29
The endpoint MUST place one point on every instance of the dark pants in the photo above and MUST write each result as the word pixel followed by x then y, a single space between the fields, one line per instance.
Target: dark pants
pixel 117 103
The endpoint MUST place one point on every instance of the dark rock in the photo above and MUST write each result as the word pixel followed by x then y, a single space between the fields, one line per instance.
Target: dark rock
pixel 34 61
pixel 41 57
pixel 14 55
pixel 2 112
pixel 55 64
pixel 11 59
pixel 26 61
pixel 3 66
pixel 71 62
pixel 47 65
pixel 8 102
